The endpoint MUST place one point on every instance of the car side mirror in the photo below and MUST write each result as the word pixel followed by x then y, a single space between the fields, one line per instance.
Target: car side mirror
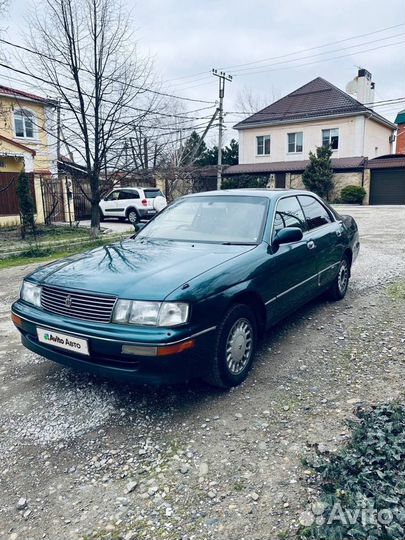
pixel 288 235
pixel 139 226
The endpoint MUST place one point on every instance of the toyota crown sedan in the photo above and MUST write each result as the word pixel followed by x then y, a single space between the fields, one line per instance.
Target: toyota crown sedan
pixel 194 291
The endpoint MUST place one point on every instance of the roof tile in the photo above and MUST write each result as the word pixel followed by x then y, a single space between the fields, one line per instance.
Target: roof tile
pixel 315 99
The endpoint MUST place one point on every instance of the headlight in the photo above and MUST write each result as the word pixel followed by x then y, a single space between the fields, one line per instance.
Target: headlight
pixel 150 313
pixel 31 293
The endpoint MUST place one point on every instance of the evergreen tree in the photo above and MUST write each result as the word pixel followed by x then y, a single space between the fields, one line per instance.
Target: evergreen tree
pixel 318 174
pixel 230 153
pixel 26 204
pixel 189 148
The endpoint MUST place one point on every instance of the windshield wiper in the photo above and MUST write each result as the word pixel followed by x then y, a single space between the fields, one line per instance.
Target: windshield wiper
pixel 238 243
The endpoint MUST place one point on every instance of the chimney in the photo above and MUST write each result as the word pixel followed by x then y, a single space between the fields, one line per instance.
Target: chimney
pixel 362 87
pixel 400 121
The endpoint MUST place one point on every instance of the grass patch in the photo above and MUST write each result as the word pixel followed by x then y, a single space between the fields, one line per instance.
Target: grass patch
pixel 396 291
pixel 44 233
pixel 363 486
pixel 49 253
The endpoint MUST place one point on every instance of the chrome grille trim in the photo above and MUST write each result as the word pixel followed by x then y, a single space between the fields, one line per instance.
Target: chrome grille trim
pixel 83 306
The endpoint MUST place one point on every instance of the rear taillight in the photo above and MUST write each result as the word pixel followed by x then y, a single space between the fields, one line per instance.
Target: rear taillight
pixel 144 202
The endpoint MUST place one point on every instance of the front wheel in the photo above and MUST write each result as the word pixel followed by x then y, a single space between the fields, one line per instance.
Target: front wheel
pixel 340 284
pixel 234 348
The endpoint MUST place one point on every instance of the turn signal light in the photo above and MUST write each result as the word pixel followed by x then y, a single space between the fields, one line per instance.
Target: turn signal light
pixel 16 319
pixel 177 348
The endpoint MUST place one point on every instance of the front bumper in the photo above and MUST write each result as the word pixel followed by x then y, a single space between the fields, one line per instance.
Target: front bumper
pixel 105 343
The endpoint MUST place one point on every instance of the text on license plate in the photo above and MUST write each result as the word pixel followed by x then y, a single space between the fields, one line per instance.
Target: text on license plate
pixel 63 341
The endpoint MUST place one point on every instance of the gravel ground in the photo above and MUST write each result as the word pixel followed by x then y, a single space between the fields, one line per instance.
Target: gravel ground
pixel 84 458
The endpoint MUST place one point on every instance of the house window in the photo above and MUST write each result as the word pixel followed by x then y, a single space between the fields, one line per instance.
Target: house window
pixel 295 142
pixel 330 137
pixel 263 145
pixel 24 124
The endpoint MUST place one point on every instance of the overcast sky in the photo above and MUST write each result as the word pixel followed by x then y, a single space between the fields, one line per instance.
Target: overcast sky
pixel 187 38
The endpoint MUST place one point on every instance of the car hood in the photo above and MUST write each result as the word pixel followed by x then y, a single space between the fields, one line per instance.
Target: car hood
pixel 144 270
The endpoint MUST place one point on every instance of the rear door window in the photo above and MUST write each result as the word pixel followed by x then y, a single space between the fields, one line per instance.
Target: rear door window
pixel 126 194
pixel 152 193
pixel 289 214
pixel 315 213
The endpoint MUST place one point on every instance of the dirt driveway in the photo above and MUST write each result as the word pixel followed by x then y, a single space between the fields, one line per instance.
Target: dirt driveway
pixel 84 458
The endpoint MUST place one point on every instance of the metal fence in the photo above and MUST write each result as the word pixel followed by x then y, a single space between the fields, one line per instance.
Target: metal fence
pixel 9 204
pixel 52 199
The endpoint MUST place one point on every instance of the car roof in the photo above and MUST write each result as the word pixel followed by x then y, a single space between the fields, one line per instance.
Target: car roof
pixel 253 192
pixel 140 187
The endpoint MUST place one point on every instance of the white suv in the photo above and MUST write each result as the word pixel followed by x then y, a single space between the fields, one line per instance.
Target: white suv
pixel 133 204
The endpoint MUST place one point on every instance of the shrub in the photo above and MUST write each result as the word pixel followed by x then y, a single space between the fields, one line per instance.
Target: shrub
pixel 365 482
pixel 26 204
pixel 352 194
pixel 244 181
pixel 318 174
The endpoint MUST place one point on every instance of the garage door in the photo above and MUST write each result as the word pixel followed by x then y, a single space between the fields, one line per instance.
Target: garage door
pixel 387 186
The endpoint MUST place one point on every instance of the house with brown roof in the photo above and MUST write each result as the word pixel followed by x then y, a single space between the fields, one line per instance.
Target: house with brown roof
pixel 276 141
pixel 27 142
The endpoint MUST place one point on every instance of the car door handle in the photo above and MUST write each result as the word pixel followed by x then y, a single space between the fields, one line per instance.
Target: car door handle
pixel 311 244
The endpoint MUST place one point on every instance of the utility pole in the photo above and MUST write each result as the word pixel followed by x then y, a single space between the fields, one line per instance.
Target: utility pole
pixel 222 77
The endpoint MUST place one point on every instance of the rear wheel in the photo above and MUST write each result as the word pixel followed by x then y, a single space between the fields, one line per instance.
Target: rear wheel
pixel 340 284
pixel 234 348
pixel 132 215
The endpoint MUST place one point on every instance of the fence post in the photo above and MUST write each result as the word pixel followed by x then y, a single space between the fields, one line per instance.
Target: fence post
pixel 39 199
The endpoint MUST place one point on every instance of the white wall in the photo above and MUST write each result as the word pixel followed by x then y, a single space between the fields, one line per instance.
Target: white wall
pixel 376 141
pixel 351 143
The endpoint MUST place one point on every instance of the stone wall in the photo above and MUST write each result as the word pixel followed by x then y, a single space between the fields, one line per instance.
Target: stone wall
pixel 341 179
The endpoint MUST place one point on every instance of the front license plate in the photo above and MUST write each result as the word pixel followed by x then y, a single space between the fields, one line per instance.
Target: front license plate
pixel 63 341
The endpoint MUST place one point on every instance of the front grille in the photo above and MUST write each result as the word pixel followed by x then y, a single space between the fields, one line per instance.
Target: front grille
pixel 77 305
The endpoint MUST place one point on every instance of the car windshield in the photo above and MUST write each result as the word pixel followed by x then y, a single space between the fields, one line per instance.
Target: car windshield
pixel 225 219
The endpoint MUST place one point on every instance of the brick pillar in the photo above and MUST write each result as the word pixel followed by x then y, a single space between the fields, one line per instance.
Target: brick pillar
pixel 366 185
pixel 400 146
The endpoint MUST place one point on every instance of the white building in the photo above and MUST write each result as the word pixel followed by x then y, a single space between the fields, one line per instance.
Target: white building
pixel 277 140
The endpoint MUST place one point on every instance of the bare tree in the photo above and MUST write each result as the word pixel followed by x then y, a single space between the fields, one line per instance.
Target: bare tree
pixel 85 50
pixel 249 102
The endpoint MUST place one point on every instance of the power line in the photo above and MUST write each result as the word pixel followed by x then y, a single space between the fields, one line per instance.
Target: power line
pixel 131 107
pixel 315 47
pixel 357 36
pixel 238 72
pixel 318 61
pixel 152 126
pixel 368 104
pixel 53 59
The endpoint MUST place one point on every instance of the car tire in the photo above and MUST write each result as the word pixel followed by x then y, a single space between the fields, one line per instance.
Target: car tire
pixel 338 289
pixel 234 348
pixel 132 215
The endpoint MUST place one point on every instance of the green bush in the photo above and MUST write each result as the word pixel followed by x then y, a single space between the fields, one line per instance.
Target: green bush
pixel 26 204
pixel 365 481
pixel 352 194
pixel 318 174
pixel 244 181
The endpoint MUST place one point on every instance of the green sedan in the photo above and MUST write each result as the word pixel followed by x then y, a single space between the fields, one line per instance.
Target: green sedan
pixel 194 291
